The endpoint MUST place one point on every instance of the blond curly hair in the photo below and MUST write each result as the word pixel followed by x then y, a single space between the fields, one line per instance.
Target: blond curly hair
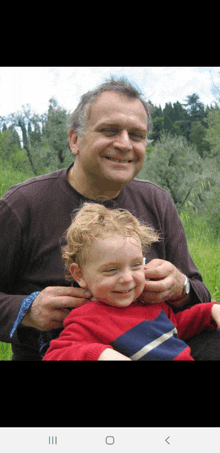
pixel 94 220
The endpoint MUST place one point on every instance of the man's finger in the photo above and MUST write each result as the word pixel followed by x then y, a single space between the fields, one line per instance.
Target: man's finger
pixel 157 286
pixel 60 314
pixel 154 298
pixel 68 302
pixel 71 291
pixel 157 273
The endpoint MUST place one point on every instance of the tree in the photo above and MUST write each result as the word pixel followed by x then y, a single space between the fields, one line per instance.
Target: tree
pixel 44 137
pixel 213 131
pixel 172 166
pixel 169 112
pixel 178 120
pixel 168 125
pixel 21 120
pixel 183 127
pixel 178 128
pixel 53 151
pixel 158 125
pixel 179 112
pixel 197 136
pixel 55 129
pixel 196 109
pixel 208 195
pixel 11 153
pixel 157 111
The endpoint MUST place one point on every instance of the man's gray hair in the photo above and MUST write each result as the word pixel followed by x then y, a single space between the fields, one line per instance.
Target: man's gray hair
pixel 78 118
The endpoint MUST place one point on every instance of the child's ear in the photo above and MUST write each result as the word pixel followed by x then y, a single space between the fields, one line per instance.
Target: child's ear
pixel 77 275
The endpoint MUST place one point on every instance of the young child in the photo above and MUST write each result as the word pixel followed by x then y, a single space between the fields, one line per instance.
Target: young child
pixel 105 253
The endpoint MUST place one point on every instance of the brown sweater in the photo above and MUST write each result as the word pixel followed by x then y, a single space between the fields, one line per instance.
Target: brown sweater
pixel 34 216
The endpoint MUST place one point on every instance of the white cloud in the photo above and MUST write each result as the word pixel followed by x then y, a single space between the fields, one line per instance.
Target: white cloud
pixel 35 86
pixel 21 86
pixel 172 84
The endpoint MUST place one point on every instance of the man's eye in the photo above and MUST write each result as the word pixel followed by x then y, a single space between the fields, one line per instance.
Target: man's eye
pixel 135 136
pixel 109 132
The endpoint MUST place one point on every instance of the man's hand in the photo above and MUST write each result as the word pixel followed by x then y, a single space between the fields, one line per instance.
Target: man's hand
pixel 49 309
pixel 163 282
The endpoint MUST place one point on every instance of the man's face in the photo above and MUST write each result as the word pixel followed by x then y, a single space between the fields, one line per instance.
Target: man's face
pixel 112 150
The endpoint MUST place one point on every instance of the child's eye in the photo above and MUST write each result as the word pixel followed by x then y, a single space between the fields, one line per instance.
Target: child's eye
pixel 112 269
pixel 138 264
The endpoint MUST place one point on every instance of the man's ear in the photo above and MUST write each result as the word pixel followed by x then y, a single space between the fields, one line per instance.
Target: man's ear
pixel 73 142
pixel 77 275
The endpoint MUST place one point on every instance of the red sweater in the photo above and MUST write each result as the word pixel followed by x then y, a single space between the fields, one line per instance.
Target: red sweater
pixel 140 331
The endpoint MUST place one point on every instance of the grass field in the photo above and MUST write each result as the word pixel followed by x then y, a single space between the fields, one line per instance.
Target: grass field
pixel 203 246
pixel 9 177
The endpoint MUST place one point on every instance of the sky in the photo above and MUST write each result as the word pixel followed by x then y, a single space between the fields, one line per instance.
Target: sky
pixel 36 85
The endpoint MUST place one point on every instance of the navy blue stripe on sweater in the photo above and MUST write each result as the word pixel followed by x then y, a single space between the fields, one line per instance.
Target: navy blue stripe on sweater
pixel 151 340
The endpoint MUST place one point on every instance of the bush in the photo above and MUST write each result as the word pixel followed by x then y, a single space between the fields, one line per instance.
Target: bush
pixel 172 166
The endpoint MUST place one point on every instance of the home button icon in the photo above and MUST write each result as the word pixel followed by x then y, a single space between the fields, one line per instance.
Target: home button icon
pixel 110 440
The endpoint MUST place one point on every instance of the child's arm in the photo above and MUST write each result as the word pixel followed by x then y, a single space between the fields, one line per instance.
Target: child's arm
pixel 61 351
pixel 73 344
pixel 193 320
pixel 215 312
pixel 111 354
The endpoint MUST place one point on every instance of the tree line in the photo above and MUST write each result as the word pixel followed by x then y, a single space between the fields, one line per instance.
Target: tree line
pixel 188 120
pixel 42 142
pixel 183 155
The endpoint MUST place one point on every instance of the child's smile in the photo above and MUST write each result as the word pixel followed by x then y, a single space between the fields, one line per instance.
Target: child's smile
pixel 114 272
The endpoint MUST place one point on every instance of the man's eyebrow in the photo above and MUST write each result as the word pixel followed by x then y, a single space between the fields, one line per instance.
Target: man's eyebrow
pixel 116 125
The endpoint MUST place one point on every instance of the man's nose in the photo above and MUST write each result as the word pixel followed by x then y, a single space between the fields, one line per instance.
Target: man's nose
pixel 122 141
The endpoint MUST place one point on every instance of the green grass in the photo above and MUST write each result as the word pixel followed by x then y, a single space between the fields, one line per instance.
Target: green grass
pixel 10 176
pixel 5 351
pixel 204 247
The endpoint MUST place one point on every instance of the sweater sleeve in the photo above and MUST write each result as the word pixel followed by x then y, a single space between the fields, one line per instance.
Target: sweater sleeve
pixel 193 320
pixel 10 265
pixel 77 341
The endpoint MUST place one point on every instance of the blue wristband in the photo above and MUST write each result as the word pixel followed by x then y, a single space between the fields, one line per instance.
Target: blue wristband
pixel 26 304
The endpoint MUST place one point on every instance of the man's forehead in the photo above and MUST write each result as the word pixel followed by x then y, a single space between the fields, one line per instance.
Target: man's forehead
pixel 110 105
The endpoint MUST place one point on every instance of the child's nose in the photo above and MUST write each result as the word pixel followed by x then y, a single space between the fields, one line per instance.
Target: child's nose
pixel 126 276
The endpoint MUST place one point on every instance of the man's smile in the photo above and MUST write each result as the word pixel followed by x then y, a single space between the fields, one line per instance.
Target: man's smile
pixel 121 161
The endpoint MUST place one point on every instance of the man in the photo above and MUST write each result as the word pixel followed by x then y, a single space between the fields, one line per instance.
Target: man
pixel 108 139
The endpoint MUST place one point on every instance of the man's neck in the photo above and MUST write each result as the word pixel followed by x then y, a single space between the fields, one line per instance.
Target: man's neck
pixel 90 189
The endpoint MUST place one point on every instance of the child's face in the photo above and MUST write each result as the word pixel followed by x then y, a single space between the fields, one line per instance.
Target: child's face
pixel 114 272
